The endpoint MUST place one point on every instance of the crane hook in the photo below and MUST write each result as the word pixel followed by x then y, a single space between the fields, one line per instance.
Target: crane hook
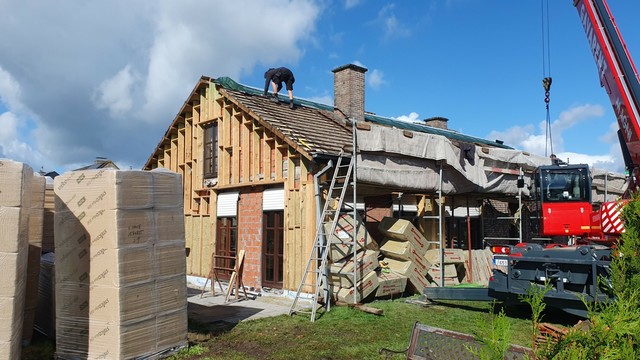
pixel 546 83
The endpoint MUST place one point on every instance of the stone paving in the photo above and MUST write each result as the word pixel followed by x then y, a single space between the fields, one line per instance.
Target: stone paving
pixel 211 310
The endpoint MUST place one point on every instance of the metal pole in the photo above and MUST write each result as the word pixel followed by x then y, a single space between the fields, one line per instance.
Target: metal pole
pixel 469 243
pixel 606 185
pixel 355 224
pixel 440 237
pixel 520 209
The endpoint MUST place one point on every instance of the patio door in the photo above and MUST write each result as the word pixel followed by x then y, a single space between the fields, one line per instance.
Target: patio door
pixel 272 248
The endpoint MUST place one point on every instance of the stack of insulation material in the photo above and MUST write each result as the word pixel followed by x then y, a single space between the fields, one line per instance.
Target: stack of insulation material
pixel 454 267
pixel 120 268
pixel 15 202
pixel 36 218
pixel 344 264
pixel 49 210
pixel 404 248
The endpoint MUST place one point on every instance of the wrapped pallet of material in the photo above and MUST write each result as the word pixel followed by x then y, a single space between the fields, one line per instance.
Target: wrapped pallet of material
pixel 390 283
pixel 403 250
pixel 404 230
pixel 364 288
pixel 120 270
pixel 342 239
pixel 15 202
pixel 452 274
pixel 451 256
pixel 416 276
pixel 45 321
pixel 341 272
pixel 49 210
pixel 36 218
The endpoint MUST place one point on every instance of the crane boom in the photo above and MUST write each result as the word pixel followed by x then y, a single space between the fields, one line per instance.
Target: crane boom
pixel 618 75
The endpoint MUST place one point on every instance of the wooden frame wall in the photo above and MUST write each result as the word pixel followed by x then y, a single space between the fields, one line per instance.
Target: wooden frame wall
pixel 250 153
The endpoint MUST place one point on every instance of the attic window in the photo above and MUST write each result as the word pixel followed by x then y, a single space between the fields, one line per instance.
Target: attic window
pixel 210 156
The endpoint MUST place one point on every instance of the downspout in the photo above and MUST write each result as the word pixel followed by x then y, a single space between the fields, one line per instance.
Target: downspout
pixel 316 186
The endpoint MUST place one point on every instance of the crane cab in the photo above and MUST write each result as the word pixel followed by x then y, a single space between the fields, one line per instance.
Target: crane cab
pixel 562 200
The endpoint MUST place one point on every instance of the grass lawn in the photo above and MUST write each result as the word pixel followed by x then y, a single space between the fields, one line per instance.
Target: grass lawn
pixel 345 333
pixel 342 333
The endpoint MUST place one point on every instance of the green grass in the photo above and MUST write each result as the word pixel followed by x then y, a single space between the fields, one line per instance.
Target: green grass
pixel 345 333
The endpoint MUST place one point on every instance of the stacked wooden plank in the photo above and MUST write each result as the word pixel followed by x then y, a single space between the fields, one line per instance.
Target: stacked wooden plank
pixel 461 266
pixel 120 271
pixel 36 218
pixel 15 202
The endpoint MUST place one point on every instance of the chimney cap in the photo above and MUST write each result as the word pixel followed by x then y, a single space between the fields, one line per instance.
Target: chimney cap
pixel 436 118
pixel 350 66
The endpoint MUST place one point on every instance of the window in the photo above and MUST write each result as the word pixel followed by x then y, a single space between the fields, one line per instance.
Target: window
pixel 210 156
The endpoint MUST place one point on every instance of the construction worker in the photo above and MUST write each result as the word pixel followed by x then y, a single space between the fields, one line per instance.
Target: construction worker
pixel 276 77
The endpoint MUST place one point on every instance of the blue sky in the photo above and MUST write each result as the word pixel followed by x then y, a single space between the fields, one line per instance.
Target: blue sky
pixel 80 80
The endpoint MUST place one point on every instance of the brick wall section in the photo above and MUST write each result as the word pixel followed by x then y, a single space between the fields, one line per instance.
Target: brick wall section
pixel 250 235
pixel 377 207
pixel 348 90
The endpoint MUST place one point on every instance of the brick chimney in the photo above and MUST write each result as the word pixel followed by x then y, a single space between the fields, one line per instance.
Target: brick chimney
pixel 437 122
pixel 348 90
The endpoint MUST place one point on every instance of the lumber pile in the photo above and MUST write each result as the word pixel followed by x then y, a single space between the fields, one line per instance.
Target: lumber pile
pixel 15 201
pixel 120 267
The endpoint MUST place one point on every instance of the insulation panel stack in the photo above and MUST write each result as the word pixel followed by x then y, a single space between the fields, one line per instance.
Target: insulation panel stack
pixel 404 248
pixel 36 225
pixel 120 267
pixel 344 264
pixel 15 202
pixel 454 267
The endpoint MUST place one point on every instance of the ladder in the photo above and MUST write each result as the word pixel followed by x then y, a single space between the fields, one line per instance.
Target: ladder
pixel 317 269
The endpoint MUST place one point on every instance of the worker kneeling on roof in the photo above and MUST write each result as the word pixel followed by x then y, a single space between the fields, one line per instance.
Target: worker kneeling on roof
pixel 276 77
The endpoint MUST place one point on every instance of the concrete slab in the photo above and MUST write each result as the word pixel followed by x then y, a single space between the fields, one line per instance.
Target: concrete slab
pixel 211 310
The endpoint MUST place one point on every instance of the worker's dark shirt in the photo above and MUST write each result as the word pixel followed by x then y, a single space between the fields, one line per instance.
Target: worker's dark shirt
pixel 278 76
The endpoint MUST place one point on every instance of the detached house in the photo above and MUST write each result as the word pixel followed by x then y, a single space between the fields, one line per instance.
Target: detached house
pixel 249 170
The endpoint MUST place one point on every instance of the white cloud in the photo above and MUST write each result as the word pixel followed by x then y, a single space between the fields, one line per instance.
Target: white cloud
pixel 412 117
pixel 393 28
pixel 137 62
pixel 325 99
pixel 348 4
pixel 10 91
pixel 115 94
pixel 534 139
pixel 376 79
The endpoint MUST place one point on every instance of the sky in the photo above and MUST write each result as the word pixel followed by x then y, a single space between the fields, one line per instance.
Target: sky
pixel 87 79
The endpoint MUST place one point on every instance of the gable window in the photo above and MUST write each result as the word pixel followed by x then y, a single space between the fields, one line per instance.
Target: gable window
pixel 210 155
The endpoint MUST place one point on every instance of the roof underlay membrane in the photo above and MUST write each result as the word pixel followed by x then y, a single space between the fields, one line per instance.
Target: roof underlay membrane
pixel 389 158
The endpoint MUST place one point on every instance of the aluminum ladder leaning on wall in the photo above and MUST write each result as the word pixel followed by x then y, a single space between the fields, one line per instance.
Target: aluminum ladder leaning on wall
pixel 316 274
